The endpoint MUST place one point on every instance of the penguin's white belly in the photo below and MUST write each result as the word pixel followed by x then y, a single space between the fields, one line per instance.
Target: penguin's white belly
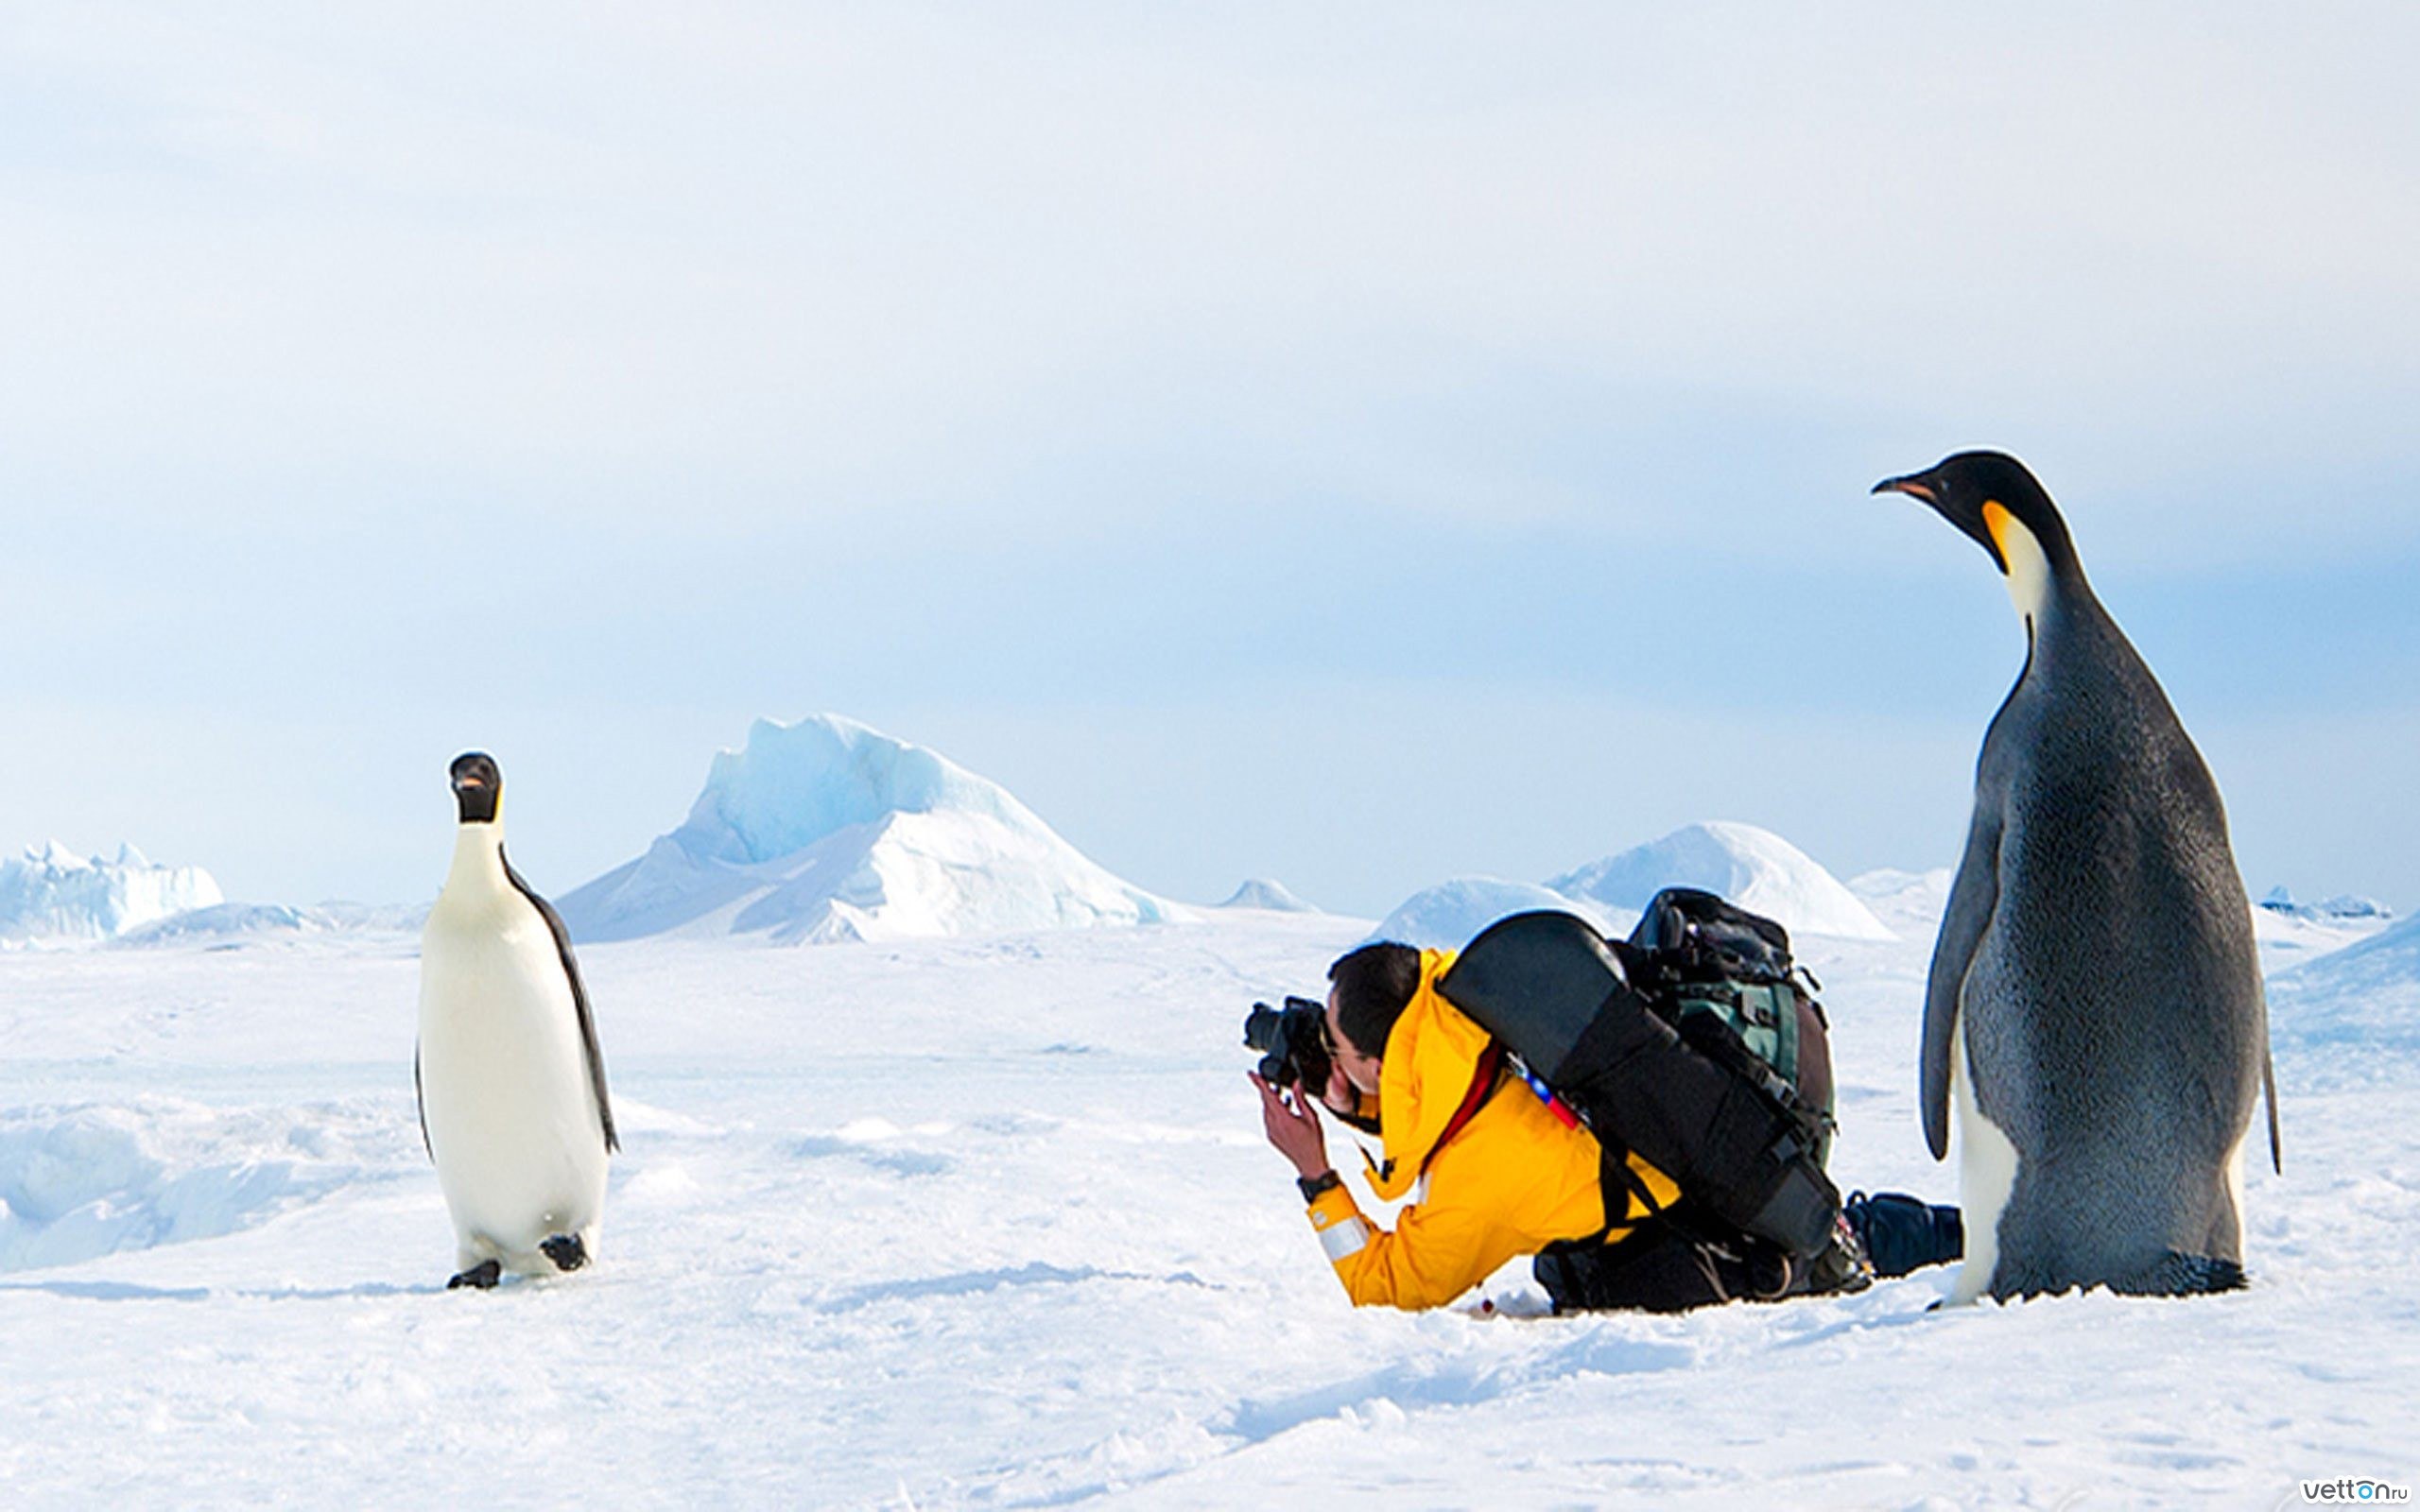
pixel 1986 1176
pixel 505 1088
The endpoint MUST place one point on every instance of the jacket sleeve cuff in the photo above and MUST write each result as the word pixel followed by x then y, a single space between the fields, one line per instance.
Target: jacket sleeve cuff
pixel 1343 1232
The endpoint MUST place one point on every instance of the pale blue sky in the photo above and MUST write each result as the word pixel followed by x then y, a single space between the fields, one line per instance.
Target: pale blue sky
pixel 1358 444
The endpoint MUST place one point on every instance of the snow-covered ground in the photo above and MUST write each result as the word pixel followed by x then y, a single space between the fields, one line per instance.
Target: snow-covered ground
pixel 988 1222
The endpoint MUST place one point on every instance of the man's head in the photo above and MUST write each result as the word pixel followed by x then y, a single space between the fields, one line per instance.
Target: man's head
pixel 1370 989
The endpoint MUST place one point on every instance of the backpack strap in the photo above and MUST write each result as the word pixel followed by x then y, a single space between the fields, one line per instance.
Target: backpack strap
pixel 1621 1185
pixel 1483 1078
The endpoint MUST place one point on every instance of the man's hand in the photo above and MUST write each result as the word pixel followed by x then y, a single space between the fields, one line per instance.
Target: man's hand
pixel 1293 1127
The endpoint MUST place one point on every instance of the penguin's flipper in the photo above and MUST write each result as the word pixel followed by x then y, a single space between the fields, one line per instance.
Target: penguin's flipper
pixel 2269 1091
pixel 1972 900
pixel 579 997
pixel 419 1104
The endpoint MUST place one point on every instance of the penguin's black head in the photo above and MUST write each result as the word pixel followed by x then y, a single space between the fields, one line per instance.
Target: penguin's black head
pixel 1980 492
pixel 478 785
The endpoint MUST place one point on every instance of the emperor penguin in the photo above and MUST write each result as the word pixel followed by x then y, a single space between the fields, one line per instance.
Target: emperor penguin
pixel 2094 1011
pixel 511 1087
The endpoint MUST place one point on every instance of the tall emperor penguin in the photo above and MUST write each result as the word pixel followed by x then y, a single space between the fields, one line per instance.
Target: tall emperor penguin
pixel 2094 1011
pixel 513 1102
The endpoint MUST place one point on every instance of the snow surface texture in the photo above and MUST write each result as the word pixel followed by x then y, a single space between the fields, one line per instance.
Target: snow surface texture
pixel 1269 895
pixel 825 830
pixel 52 894
pixel 1756 869
pixel 989 1223
pixel 1448 915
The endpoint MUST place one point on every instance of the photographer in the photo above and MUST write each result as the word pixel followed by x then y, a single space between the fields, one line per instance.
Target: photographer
pixel 1503 1176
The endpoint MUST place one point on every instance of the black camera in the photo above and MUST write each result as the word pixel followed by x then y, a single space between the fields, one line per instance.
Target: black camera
pixel 1292 1042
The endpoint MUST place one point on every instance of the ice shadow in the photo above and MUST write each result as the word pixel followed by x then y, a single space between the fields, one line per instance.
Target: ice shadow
pixel 130 1292
pixel 898 1162
pixel 112 1291
pixel 1892 1304
pixel 339 1293
pixel 1449 1383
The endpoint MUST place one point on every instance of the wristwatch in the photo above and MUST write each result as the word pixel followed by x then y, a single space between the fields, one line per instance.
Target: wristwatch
pixel 1314 1185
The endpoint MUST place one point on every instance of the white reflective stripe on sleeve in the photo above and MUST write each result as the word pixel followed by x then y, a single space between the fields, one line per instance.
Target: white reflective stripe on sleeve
pixel 1344 1239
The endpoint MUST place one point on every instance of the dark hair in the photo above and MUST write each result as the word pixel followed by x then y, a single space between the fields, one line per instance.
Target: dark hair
pixel 1373 985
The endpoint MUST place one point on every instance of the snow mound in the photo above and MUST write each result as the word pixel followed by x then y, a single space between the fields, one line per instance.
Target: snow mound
pixel 1446 917
pixel 51 893
pixel 1756 869
pixel 80 1182
pixel 1269 895
pixel 2366 994
pixel 825 830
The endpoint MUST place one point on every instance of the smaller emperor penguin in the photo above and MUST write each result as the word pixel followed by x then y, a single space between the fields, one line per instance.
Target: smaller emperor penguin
pixel 2094 1011
pixel 513 1102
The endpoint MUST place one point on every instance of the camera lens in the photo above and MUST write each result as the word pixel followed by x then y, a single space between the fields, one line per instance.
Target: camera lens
pixel 1262 1026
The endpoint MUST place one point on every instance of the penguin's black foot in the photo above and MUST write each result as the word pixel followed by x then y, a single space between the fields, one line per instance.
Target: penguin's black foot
pixel 565 1251
pixel 484 1275
pixel 2180 1274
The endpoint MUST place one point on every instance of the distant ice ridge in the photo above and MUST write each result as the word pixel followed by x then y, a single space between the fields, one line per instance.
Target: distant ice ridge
pixel 1756 869
pixel 229 927
pixel 51 893
pixel 223 922
pixel 1269 895
pixel 825 830
pixel 2344 907
pixel 2290 934
pixel 1909 903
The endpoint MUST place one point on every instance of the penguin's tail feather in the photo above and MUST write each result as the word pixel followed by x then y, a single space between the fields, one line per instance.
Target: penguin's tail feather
pixel 2182 1274
pixel 2269 1086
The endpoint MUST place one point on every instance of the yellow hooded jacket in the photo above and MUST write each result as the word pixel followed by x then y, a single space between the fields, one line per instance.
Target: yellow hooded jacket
pixel 1510 1181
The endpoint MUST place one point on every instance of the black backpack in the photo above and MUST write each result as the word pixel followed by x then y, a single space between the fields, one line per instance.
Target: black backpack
pixel 1695 954
pixel 1643 1041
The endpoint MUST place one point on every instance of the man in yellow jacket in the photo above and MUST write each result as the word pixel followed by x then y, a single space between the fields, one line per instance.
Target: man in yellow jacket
pixel 1500 1174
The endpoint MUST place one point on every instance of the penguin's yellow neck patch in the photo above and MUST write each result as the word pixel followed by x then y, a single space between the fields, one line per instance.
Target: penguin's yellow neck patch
pixel 2028 565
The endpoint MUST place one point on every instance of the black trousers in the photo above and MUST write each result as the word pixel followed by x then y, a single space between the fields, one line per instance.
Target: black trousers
pixel 1662 1268
pixel 1683 1260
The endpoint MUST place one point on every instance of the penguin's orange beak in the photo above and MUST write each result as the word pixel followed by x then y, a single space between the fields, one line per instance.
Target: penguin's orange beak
pixel 1909 487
